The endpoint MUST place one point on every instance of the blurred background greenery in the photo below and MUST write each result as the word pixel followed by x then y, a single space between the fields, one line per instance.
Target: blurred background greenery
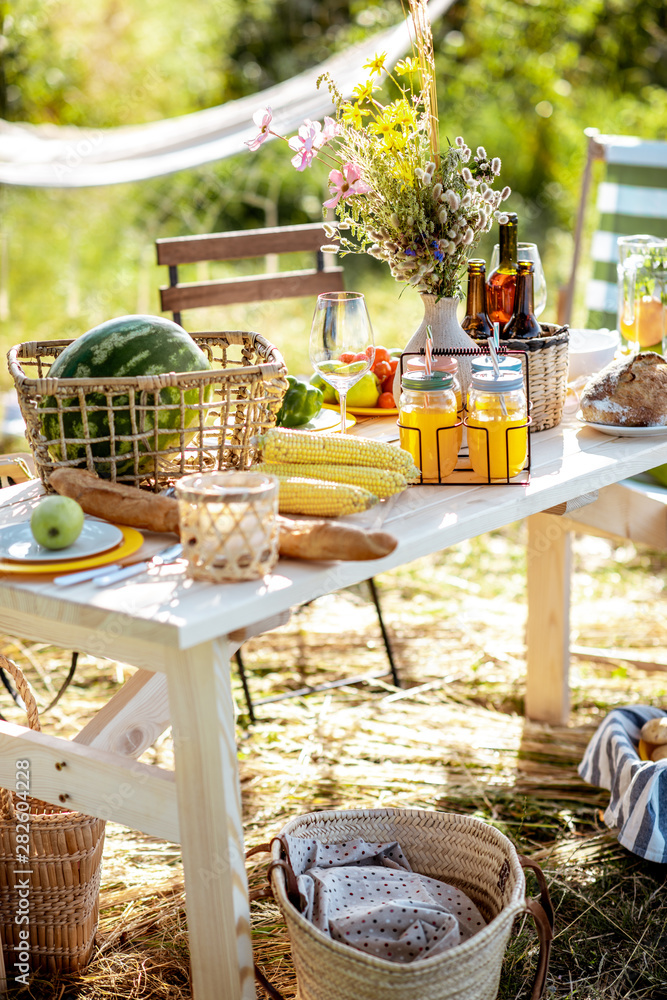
pixel 521 77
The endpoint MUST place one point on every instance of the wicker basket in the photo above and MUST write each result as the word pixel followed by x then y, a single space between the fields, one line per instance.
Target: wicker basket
pixel 65 856
pixel 111 427
pixel 460 850
pixel 548 361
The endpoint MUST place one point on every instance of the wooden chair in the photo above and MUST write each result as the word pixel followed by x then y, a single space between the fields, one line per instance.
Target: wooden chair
pixel 244 245
pixel 247 244
pixel 631 199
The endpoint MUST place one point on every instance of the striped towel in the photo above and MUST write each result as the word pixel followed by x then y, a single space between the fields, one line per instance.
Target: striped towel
pixel 638 803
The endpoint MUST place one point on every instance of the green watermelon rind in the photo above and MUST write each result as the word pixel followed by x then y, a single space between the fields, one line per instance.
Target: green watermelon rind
pixel 99 354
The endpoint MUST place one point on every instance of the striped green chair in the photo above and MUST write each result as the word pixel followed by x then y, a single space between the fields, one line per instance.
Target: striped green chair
pixel 631 199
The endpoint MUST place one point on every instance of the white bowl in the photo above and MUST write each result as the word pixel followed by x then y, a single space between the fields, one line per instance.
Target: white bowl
pixel 590 351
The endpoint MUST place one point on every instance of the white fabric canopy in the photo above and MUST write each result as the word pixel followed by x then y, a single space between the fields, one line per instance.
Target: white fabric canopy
pixel 70 157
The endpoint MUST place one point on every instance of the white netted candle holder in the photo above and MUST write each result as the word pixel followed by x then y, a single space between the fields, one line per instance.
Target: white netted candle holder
pixel 229 524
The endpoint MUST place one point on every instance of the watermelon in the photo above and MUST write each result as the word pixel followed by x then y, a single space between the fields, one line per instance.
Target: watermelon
pixel 125 347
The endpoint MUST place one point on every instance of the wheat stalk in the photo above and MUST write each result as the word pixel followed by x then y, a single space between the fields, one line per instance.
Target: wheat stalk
pixel 424 50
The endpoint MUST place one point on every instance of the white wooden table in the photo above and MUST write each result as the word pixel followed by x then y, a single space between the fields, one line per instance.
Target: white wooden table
pixel 174 628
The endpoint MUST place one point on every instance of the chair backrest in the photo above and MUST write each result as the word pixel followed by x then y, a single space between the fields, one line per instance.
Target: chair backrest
pixel 244 245
pixel 631 199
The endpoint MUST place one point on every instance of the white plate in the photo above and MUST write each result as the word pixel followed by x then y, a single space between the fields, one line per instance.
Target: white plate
pixel 17 543
pixel 327 420
pixel 617 430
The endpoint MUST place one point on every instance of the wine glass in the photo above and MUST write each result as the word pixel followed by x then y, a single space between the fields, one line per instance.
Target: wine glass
pixel 341 342
pixel 529 251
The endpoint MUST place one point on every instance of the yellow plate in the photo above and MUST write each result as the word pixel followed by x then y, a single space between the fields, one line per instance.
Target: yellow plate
pixel 367 411
pixel 132 541
pixel 328 419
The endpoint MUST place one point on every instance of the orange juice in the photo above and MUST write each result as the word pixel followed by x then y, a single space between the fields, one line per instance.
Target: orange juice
pixel 500 428
pixel 427 423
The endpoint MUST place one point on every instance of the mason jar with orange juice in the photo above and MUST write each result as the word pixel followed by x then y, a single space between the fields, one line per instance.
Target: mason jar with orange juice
pixel 497 424
pixel 428 423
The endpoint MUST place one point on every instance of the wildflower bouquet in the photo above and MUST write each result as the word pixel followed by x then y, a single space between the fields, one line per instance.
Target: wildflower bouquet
pixel 396 195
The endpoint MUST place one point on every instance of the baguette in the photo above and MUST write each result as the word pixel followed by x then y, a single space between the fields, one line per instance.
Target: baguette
pixel 313 540
pixel 117 502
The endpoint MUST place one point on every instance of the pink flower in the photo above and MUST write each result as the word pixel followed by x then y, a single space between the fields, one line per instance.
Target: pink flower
pixel 262 120
pixel 331 129
pixel 345 184
pixel 306 143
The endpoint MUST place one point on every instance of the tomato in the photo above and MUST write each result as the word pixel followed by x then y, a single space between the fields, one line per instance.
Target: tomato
pixel 394 364
pixel 382 369
pixel 388 384
pixel 347 356
pixel 382 354
pixel 386 401
pixel 359 357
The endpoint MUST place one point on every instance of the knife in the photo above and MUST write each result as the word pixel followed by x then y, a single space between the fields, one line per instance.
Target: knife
pixel 69 579
pixel 166 555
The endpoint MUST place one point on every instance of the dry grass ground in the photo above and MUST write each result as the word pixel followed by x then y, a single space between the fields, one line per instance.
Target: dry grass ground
pixel 452 738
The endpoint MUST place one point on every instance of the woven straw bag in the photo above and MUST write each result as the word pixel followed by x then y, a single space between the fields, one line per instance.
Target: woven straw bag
pixel 548 361
pixel 461 850
pixel 64 858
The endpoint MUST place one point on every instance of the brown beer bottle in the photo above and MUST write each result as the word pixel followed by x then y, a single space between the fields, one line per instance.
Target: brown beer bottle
pixel 476 322
pixel 501 283
pixel 523 325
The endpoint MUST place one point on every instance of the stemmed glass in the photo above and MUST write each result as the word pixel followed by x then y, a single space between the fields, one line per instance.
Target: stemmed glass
pixel 529 251
pixel 341 342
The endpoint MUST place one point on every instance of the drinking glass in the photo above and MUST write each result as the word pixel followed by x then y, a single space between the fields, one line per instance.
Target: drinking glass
pixel 642 291
pixel 341 342
pixel 528 251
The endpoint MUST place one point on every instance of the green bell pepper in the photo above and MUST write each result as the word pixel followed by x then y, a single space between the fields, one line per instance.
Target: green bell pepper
pixel 301 403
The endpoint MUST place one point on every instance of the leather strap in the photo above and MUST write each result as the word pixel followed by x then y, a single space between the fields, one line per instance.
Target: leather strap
pixel 542 913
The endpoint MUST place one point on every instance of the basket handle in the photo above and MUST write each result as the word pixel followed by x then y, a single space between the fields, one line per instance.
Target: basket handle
pixel 265 893
pixel 25 691
pixel 542 913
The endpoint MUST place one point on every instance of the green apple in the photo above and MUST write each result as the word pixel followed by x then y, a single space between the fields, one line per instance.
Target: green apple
pixel 327 390
pixel 365 392
pixel 56 522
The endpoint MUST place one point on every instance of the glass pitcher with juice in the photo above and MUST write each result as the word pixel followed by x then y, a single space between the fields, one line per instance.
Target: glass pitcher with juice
pixel 642 292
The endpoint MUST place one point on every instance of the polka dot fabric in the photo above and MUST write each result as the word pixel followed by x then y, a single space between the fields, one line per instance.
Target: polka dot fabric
pixel 366 896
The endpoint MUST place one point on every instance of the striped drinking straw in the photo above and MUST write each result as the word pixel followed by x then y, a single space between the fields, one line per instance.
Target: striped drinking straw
pixel 428 347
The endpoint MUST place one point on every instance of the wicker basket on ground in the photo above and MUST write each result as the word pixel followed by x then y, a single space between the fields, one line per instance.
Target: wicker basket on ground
pixel 460 850
pixel 149 430
pixel 62 851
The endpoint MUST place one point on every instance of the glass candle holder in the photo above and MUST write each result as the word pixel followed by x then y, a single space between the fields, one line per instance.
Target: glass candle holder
pixel 229 524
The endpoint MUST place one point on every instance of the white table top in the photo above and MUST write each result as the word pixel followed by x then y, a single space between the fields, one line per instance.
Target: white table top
pixel 166 608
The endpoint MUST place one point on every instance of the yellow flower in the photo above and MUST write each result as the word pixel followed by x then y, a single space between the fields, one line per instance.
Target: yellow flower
pixel 376 64
pixel 364 91
pixel 404 115
pixel 382 126
pixel 353 115
pixel 405 66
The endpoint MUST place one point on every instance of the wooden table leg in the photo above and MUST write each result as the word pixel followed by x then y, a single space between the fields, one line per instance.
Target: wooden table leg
pixel 548 626
pixel 209 809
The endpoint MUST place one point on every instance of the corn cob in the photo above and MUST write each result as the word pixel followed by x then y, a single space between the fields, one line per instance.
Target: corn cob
pixel 382 482
pixel 298 495
pixel 281 445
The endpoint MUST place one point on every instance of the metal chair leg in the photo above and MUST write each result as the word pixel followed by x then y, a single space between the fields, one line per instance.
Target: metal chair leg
pixel 244 683
pixel 385 635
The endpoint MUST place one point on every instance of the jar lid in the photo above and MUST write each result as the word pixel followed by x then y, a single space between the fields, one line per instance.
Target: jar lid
pixel 505 363
pixel 490 382
pixel 420 380
pixel 438 364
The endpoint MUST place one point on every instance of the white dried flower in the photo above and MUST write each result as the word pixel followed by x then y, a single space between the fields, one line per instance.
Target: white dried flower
pixel 483 188
pixel 442 216
pixel 466 175
pixel 460 141
pixel 468 237
pixel 481 153
pixel 329 248
pixel 419 174
pixel 465 155
pixel 466 200
pixel 502 218
pixel 329 230
pixel 453 201
pixel 495 165
pixel 395 221
pixel 437 190
pixel 505 193
pixel 430 168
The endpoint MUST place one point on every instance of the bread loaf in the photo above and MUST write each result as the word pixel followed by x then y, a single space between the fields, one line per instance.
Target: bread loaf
pixel 630 393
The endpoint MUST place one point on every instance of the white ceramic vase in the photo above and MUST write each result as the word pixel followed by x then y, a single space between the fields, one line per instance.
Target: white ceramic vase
pixel 447 334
